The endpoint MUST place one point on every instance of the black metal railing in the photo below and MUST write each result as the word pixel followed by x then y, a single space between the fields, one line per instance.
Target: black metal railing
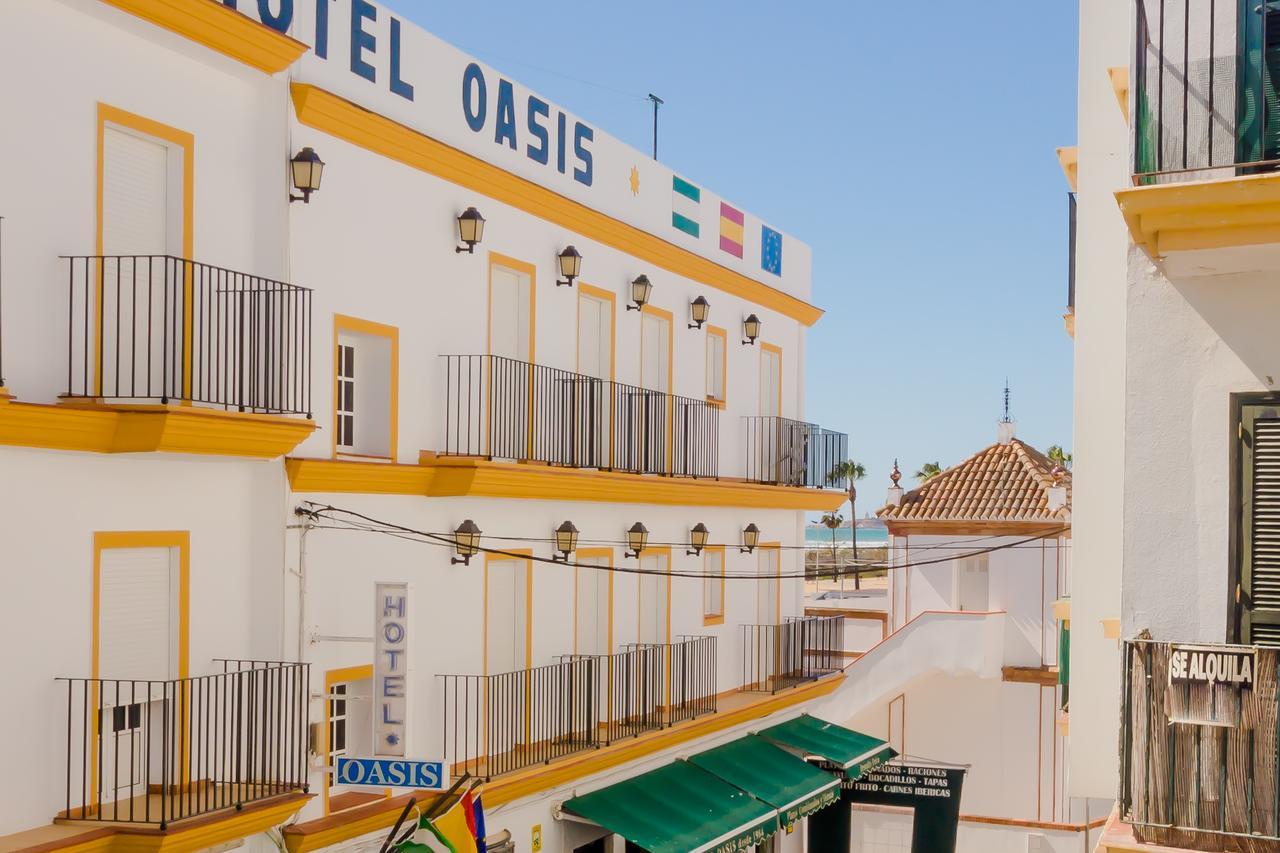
pixel 504 408
pixel 803 648
pixel 1199 757
pixel 145 751
pixel 1204 95
pixel 784 452
pixel 156 327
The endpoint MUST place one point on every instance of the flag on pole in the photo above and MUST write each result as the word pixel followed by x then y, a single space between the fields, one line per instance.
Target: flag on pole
pixel 475 818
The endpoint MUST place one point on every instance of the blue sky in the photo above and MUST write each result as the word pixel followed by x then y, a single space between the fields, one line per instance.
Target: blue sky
pixel 910 144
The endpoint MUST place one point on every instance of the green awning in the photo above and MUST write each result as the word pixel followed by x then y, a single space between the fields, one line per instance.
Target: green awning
pixel 678 808
pixel 850 752
pixel 769 773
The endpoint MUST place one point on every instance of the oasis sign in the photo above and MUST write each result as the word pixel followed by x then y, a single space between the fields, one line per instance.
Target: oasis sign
pixel 1212 665
pixel 488 104
pixel 391 773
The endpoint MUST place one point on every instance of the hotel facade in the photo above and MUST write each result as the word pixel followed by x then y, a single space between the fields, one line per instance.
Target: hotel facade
pixel 1173 601
pixel 288 312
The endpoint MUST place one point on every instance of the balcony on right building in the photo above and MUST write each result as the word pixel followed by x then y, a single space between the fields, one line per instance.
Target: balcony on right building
pixel 1205 194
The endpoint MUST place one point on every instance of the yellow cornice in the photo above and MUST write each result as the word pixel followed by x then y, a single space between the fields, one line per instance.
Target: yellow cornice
pixel 1119 75
pixel 220 28
pixel 1069 160
pixel 1193 215
pixel 465 477
pixel 99 428
pixel 1069 323
pixel 334 829
pixel 352 123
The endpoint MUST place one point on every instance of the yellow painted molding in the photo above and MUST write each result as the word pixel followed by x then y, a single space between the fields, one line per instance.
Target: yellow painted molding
pixel 220 28
pixel 440 477
pixel 1120 84
pixel 1229 212
pixel 325 111
pixel 5 396
pixel 1069 323
pixel 1069 160
pixel 99 428
pixel 1111 629
pixel 1062 609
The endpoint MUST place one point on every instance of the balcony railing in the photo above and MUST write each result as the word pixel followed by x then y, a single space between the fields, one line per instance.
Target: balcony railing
pixel 503 408
pixel 1199 751
pixel 160 328
pixel 1205 73
pixel 496 724
pixel 784 452
pixel 804 648
pixel 154 752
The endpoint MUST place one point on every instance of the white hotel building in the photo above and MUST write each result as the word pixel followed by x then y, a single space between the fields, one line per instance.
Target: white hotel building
pixel 187 358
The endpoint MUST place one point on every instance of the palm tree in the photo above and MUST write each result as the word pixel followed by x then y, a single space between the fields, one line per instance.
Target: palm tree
pixel 928 471
pixel 1058 455
pixel 833 521
pixel 851 472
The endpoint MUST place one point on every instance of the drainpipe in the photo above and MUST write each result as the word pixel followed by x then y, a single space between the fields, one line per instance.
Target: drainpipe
pixel 301 573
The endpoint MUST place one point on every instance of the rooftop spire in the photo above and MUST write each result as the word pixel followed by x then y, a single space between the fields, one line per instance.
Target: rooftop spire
pixel 1005 428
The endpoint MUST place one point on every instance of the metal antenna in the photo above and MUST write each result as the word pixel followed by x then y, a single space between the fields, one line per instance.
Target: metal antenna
pixel 656 103
pixel 1007 419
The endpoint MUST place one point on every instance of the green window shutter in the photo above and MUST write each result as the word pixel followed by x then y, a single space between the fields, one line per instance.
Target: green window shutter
pixel 1259 70
pixel 1260 524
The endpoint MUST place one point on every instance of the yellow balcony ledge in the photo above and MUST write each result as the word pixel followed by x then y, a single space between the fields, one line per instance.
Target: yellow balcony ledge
pixel 1191 216
pixel 1062 610
pixel 1119 75
pixel 185 836
pixel 1069 160
pixel 219 28
pixel 441 477
pixel 100 428
pixel 1069 323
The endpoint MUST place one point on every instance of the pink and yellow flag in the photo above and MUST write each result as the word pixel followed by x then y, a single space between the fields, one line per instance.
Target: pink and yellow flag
pixel 731 230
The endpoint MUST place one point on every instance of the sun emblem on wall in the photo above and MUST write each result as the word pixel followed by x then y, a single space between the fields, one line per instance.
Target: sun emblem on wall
pixel 635 181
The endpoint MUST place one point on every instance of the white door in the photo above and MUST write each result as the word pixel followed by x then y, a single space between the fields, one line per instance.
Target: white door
pixel 591 394
pixel 973 584
pixel 770 375
pixel 140 216
pixel 137 641
pixel 510 378
pixel 653 599
pixel 509 306
pixel 593 613
pixel 506 597
pixel 650 412
pixel 655 353
pixel 767 587
pixel 773 439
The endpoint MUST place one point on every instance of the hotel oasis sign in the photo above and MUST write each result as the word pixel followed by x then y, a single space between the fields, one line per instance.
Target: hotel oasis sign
pixel 1212 665
pixel 390 668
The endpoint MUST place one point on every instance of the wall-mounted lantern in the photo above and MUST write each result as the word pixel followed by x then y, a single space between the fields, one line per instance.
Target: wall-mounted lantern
pixel 570 265
pixel 306 168
pixel 466 541
pixel 470 230
pixel 637 539
pixel 641 288
pixel 700 309
pixel 751 328
pixel 566 542
pixel 750 538
pixel 697 539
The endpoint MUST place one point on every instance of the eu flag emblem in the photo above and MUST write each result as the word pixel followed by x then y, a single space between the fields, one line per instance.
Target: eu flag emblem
pixel 770 250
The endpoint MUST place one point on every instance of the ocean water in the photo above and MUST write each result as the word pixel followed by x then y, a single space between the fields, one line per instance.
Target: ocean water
pixel 871 537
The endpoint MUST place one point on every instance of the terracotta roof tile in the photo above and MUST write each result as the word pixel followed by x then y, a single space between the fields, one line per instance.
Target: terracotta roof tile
pixel 1004 482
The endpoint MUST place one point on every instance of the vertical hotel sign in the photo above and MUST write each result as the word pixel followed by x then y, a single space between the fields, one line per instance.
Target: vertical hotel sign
pixel 390 668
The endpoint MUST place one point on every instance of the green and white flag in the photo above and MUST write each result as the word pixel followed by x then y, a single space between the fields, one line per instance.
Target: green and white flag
pixel 685 202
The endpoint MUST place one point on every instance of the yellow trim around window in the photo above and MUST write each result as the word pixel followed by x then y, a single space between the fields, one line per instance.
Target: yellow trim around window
pixel 331 678
pixel 774 348
pixel 723 335
pixel 220 28
pixel 108 114
pixel 592 554
pixel 354 325
pixel 713 618
pixel 353 123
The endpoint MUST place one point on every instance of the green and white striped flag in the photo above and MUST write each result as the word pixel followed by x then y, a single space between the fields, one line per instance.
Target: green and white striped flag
pixel 685 202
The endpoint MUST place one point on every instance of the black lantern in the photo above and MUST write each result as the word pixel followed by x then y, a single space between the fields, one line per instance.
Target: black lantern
pixel 470 230
pixel 466 541
pixel 566 541
pixel 637 539
pixel 570 265
pixel 641 287
pixel 750 538
pixel 697 539
pixel 700 308
pixel 751 328
pixel 305 168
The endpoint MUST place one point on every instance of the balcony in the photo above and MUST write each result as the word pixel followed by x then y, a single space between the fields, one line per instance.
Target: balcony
pixel 1198 759
pixel 502 408
pixel 1206 194
pixel 781 656
pixel 784 452
pixel 159 752
pixel 503 723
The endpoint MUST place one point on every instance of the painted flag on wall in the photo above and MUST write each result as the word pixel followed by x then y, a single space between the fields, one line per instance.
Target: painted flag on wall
pixel 685 201
pixel 770 250
pixel 731 221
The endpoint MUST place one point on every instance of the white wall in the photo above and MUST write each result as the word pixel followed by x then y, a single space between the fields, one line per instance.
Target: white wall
pixel 893 824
